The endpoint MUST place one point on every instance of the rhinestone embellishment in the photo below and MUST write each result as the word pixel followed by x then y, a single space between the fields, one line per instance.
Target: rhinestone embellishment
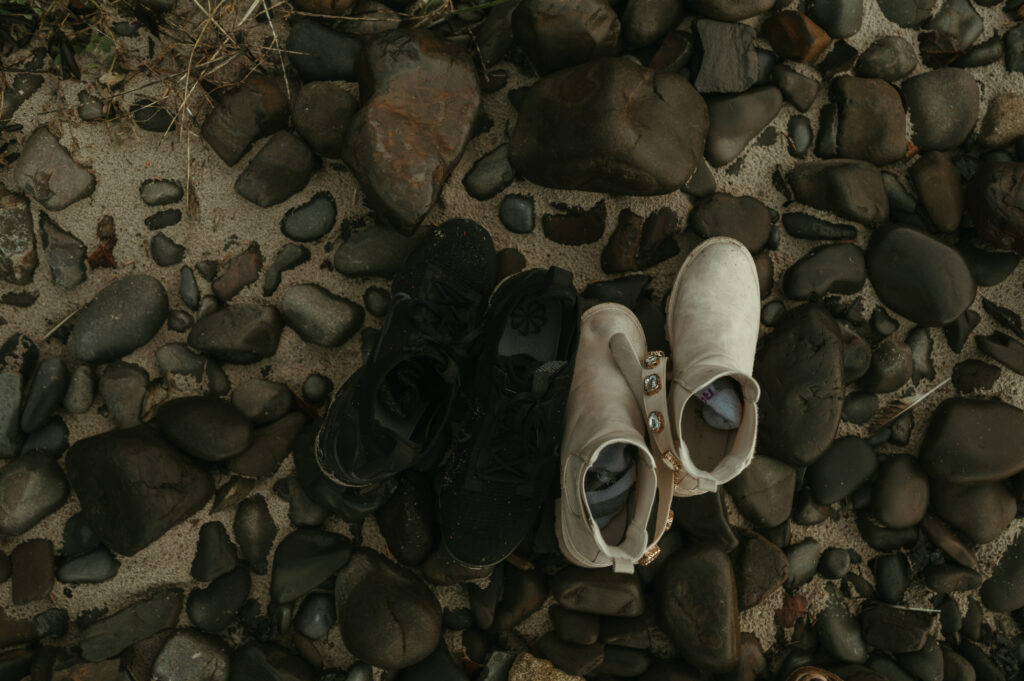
pixel 655 421
pixel 652 384
pixel 653 359
pixel 649 555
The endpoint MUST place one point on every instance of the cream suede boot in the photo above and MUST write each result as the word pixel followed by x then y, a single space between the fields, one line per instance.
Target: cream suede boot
pixel 712 322
pixel 605 419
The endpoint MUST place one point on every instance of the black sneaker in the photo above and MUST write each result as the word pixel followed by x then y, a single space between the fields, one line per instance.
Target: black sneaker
pixel 504 461
pixel 392 414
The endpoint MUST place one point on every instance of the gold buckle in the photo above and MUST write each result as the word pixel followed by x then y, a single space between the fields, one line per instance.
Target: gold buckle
pixel 649 555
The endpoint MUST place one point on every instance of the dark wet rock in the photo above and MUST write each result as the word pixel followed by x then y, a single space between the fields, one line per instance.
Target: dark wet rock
pixel 839 18
pixel 32 487
pixel 600 592
pixel 871 123
pixel 213 608
pixel 702 183
pixel 377 301
pixel 192 656
pixel 980 512
pixel 834 563
pixel 575 627
pixel 256 109
pixel 895 630
pixel 882 538
pixel 46 172
pixel 973 375
pixel 321 115
pixel 943 106
pixel 516 213
pixel 215 555
pixel 271 661
pixel 279 169
pixel 804 226
pixel 798 89
pixel 406 520
pixel 859 407
pixel 899 495
pixel 850 189
pixel 152 117
pixel 959 330
pixel 890 58
pixel 837 268
pixel 918 276
pixel 729 62
pixel 703 518
pixel 891 366
pixel 620 661
pixel 637 244
pixel 91 568
pixel 995 206
pixel 44 394
pixel 317 388
pixel 377 250
pixel 571 658
pixel 319 316
pixel 318 53
pixel 988 267
pixel 388 617
pixel 123 316
pixel 958 20
pixel 844 466
pixel 598 141
pixel 65 253
pixel 23 86
pixel 289 257
pixel 262 401
pixel 940 187
pixel 555 35
pixel 1002 123
pixel 123 388
pixel 163 218
pixel 164 251
pixel 255 531
pixel 140 620
pixel 802 356
pixel 311 220
pixel 772 313
pixel 948 578
pixel 761 568
pixel 133 486
pixel 737 119
pixel 839 634
pixel 50 439
pixel 490 174
pixel 78 538
pixel 907 14
pixel 730 10
pixel 576 226
pixel 892 576
pixel 763 492
pixel 420 100
pixel 800 136
pixel 970 442
pixel 304 560
pixel 794 36
pixel 238 334
pixel 698 607
pixel 743 218
pixel 160 192
pixel 523 592
pixel 644 22
pixel 803 560
pixel 208 428
pixel 1004 590
pixel 18 256
pixel 315 616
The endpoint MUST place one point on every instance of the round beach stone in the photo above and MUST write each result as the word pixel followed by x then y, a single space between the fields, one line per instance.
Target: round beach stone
pixel 943 106
pixel 970 442
pixel 918 276
pixel 899 496
pixel 208 428
pixel 319 316
pixel 123 316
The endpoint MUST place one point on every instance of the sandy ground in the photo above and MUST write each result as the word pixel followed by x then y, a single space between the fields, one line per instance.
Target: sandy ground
pixel 122 156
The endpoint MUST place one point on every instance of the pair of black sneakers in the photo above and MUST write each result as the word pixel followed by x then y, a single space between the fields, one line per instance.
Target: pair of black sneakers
pixel 469 382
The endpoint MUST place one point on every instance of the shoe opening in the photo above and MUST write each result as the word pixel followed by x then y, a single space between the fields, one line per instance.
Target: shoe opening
pixel 710 422
pixel 610 488
pixel 411 398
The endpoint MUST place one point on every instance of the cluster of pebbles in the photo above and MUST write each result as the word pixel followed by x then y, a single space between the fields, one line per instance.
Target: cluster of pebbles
pixel 179 305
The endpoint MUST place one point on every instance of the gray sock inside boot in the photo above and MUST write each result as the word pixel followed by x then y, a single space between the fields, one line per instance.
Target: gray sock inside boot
pixel 610 481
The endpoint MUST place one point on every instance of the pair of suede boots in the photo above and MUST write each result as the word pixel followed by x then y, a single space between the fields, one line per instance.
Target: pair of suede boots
pixel 642 427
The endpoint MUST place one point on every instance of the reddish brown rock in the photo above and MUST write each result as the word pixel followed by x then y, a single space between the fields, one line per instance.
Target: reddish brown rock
pixel 637 244
pixel 421 98
pixel 576 226
pixel 610 125
pixel 794 36
pixel 556 34
pixel 995 204
pixel 239 272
